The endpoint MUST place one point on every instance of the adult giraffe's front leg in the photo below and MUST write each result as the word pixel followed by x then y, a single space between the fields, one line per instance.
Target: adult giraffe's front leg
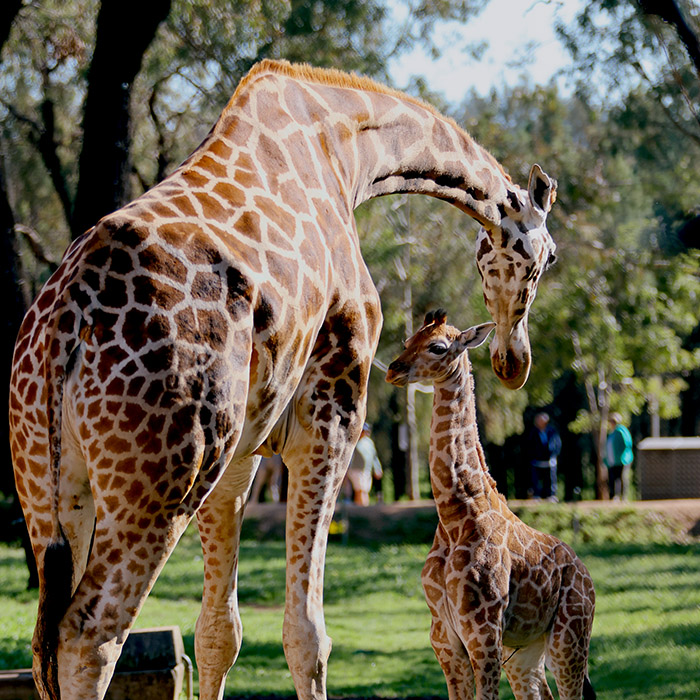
pixel 219 631
pixel 328 412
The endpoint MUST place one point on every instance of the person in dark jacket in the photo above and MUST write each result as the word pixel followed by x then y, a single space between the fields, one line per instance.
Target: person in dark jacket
pixel 544 446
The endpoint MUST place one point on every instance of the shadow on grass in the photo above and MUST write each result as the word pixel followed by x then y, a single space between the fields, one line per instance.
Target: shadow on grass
pixel 378 673
pixel 664 658
pixel 350 571
pixel 357 570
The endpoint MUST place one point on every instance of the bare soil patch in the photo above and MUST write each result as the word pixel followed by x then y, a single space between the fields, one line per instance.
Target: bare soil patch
pixel 415 521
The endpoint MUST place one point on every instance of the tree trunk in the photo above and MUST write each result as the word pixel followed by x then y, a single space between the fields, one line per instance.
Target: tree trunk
pixel 670 12
pixel 12 319
pixel 125 29
pixel 600 439
pixel 8 12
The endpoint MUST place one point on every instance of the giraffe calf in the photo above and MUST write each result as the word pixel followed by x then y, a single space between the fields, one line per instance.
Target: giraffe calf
pixel 502 595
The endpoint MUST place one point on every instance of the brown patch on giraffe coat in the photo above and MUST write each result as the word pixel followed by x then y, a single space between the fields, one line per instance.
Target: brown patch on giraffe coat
pixel 234 196
pixel 133 328
pixel 184 205
pixel 148 290
pixel 45 299
pixel 157 260
pixel 176 234
pixel 194 180
pixel 212 327
pixel 220 148
pixel 120 262
pixel 442 137
pixel 248 224
pixel 212 207
pixel 284 270
pixel 299 150
pixel 134 415
pixel 519 248
pixel 218 169
pixel 271 157
pixel 248 179
pixel 305 109
pixel 98 257
pixel 268 103
pixel 206 286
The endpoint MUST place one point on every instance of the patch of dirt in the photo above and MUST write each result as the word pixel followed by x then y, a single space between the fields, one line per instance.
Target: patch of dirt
pixel 415 521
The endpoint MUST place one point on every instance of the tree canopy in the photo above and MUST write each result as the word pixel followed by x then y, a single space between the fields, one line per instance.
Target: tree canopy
pixel 616 318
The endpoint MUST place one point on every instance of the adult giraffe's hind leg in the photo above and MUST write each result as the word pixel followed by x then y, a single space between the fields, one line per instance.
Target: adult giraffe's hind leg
pixel 316 470
pixel 328 412
pixel 109 596
pixel 151 486
pixel 219 631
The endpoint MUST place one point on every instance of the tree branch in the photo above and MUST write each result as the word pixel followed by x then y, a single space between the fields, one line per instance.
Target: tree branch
pixel 42 137
pixel 588 384
pixel 48 148
pixel 104 163
pixel 37 247
pixel 670 13
pixel 8 12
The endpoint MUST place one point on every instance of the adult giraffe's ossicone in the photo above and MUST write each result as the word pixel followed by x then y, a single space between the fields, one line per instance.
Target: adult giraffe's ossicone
pixel 224 314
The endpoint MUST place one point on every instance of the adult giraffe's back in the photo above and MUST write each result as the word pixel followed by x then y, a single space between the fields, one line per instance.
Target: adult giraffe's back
pixel 224 314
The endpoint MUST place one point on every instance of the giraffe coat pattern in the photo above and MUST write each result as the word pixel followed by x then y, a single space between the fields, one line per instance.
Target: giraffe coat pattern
pixel 501 594
pixel 226 314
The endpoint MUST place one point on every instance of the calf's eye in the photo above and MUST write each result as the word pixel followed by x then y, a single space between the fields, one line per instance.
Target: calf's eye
pixel 437 348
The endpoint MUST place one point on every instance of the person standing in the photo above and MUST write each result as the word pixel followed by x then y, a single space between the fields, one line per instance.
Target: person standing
pixel 364 468
pixel 618 457
pixel 544 447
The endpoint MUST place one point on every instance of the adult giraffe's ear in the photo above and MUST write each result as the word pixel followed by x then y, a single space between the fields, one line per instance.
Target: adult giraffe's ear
pixel 542 189
pixel 475 336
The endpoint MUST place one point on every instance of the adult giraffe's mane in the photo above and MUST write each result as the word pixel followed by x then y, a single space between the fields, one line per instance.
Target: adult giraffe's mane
pixel 341 79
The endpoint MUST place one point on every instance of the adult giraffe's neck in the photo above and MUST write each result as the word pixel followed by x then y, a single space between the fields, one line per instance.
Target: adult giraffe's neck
pixel 462 488
pixel 414 150
pixel 363 140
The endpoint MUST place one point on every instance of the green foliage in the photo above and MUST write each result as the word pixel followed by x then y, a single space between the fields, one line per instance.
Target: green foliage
pixel 187 76
pixel 617 309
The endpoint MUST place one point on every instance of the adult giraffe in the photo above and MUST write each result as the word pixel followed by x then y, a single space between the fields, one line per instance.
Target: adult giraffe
pixel 225 314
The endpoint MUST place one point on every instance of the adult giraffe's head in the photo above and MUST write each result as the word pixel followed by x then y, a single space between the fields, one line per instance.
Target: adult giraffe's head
pixel 511 257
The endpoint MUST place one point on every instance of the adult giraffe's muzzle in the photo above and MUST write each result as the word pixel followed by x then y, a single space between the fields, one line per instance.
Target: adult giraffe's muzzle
pixel 510 354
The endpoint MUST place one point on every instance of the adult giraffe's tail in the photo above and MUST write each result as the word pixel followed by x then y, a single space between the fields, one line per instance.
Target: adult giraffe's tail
pixel 588 692
pixel 55 567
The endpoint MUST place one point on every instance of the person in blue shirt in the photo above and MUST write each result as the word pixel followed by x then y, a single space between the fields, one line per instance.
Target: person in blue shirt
pixel 544 446
pixel 618 457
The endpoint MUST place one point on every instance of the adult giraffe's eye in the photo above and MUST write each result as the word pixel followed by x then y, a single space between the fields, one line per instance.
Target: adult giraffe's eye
pixel 437 348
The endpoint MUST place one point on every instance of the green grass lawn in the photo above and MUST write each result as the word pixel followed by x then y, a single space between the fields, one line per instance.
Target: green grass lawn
pixel 646 637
